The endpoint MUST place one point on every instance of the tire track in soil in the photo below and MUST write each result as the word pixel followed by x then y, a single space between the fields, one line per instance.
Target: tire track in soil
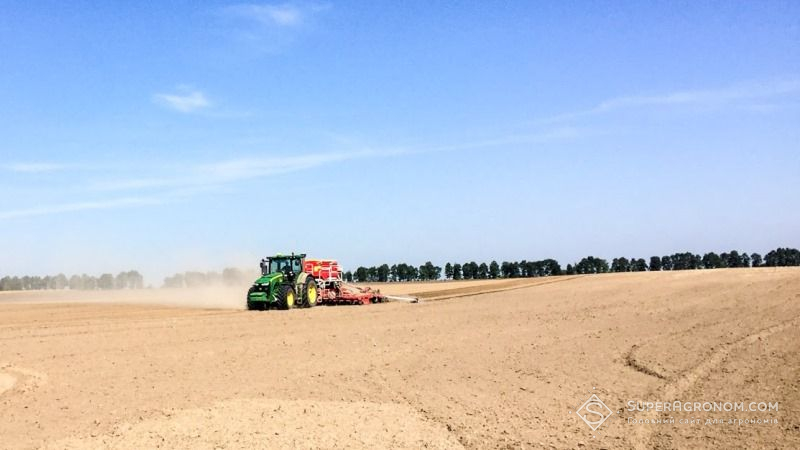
pixel 673 388
pixel 474 291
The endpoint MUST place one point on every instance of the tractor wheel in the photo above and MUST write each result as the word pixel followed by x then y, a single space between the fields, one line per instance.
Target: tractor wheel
pixel 310 293
pixel 251 305
pixel 286 297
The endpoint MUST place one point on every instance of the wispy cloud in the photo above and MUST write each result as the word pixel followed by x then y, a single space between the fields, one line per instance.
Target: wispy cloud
pixel 280 15
pixel 193 180
pixel 707 98
pixel 34 167
pixel 270 27
pixel 239 169
pixel 286 15
pixel 185 101
pixel 158 185
pixel 78 206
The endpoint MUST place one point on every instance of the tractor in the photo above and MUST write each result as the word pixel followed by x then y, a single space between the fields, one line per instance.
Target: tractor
pixel 283 284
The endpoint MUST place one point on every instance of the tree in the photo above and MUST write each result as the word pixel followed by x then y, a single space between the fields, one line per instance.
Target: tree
pixel 666 263
pixel 106 281
pixel 428 271
pixel 655 263
pixel 733 259
pixel 383 273
pixel 638 265
pixel 683 261
pixel 620 264
pixel 89 282
pixel 60 281
pixel 553 267
pixel 175 281
pixel 744 260
pixel 75 283
pixel 483 271
pixel 782 257
pixel 711 260
pixel 121 280
pixel 590 264
pixel 494 270
pixel 448 271
pixel 510 269
pixel 466 270
pixel 570 270
pixel 457 271
pixel 361 274
pixel 348 276
pixel 756 259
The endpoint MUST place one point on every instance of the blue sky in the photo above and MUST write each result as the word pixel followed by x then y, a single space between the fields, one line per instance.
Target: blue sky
pixel 193 136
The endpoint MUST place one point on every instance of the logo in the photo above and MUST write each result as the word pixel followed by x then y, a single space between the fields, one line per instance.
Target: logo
pixel 594 412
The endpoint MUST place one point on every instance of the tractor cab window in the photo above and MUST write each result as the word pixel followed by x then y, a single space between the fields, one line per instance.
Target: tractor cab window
pixel 278 265
pixel 282 265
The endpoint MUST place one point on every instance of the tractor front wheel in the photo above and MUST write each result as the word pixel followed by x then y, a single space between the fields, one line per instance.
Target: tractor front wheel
pixel 253 305
pixel 286 297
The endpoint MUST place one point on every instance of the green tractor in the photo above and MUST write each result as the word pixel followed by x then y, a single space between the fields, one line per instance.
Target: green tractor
pixel 283 284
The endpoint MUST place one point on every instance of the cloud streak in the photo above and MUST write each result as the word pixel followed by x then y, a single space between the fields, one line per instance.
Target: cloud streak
pixel 78 206
pixel 284 15
pixel 34 168
pixel 239 169
pixel 706 98
pixel 188 101
pixel 200 178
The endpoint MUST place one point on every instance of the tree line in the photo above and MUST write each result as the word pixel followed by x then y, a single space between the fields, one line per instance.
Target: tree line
pixel 590 264
pixel 426 272
pixel 131 279
pixel 688 261
pixel 454 271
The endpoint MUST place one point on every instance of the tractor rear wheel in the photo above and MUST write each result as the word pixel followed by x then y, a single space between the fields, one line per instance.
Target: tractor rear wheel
pixel 310 293
pixel 286 297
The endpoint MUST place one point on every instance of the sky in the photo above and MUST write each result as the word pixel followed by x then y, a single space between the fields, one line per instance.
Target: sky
pixel 172 136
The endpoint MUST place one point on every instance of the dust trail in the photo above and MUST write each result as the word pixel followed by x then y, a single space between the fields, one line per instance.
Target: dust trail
pixel 214 297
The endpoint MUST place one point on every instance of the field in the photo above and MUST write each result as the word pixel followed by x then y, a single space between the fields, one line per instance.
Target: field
pixel 497 364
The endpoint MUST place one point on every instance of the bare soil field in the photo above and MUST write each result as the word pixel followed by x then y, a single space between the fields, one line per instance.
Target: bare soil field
pixel 503 364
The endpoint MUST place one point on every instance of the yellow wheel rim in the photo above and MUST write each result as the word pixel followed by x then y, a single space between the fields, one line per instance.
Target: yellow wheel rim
pixel 290 299
pixel 312 295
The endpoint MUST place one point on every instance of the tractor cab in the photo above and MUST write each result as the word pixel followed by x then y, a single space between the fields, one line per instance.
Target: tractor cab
pixel 288 265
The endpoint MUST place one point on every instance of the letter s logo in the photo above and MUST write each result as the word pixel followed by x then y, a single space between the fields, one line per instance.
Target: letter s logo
pixel 595 412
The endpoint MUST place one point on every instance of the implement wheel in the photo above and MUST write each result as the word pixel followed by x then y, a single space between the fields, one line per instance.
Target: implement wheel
pixel 310 293
pixel 286 297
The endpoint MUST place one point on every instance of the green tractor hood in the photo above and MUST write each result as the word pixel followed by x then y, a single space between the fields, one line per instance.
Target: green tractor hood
pixel 264 288
pixel 269 279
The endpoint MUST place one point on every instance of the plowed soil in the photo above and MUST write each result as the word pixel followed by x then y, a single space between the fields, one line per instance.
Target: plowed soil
pixel 497 364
